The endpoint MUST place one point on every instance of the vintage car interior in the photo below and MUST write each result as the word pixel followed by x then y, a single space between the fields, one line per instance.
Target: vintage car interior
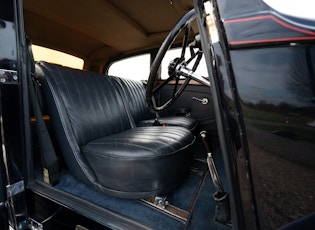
pixel 122 149
pixel 183 114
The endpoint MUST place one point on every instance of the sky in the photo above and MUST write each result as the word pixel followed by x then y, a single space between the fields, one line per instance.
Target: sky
pixel 298 8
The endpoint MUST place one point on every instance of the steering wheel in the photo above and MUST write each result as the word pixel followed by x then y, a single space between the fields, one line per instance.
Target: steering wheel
pixel 178 67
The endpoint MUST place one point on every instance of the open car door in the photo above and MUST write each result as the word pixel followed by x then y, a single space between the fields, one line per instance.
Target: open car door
pixel 3 211
pixel 12 160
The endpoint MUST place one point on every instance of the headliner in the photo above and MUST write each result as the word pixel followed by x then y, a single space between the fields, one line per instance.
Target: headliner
pixel 96 30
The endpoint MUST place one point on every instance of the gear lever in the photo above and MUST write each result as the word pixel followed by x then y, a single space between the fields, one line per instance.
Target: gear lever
pixel 222 210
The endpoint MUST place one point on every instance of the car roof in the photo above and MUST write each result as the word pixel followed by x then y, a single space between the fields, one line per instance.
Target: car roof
pixel 97 30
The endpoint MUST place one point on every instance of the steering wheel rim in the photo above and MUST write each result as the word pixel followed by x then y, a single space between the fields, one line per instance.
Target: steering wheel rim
pixel 184 22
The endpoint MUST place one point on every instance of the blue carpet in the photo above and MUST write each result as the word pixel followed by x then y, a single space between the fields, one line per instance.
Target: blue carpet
pixel 193 195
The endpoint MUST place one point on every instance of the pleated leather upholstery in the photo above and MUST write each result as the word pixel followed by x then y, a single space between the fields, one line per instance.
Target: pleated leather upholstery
pixel 133 94
pixel 99 145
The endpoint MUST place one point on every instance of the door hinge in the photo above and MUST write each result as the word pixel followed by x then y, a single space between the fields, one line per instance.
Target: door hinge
pixel 8 77
pixel 30 224
pixel 34 225
pixel 15 188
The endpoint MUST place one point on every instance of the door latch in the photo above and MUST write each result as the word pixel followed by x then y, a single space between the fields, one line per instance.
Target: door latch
pixel 203 101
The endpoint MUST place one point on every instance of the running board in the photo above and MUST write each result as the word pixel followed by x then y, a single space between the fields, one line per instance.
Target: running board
pixel 162 204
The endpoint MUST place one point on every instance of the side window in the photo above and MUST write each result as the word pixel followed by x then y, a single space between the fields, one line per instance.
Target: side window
pixel 136 67
pixel 56 57
pixel 174 53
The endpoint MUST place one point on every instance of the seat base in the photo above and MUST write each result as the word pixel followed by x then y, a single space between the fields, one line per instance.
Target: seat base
pixel 140 162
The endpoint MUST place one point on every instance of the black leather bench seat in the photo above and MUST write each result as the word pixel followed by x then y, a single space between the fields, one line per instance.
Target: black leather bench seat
pixel 99 143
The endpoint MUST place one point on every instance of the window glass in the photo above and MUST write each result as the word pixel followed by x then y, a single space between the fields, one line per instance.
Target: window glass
pixel 136 68
pixel 56 57
pixel 174 53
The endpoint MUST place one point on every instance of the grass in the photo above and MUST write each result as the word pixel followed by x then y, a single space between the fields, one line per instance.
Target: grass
pixel 268 116
pixel 291 122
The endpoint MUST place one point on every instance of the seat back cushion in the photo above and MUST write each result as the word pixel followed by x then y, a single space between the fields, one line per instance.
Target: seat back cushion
pixel 133 93
pixel 83 106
